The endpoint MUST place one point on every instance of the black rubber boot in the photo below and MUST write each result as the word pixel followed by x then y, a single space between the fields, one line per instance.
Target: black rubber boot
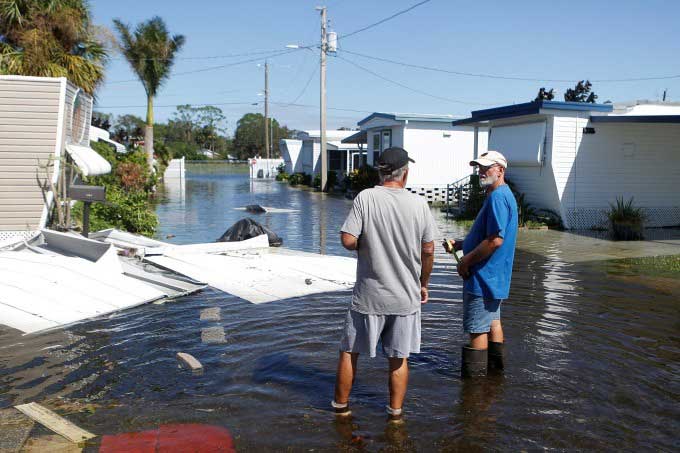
pixel 474 362
pixel 496 357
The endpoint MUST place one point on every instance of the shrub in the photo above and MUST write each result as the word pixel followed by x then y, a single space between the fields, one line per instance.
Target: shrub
pixel 363 178
pixel 317 182
pixel 475 199
pixel 125 210
pixel 296 179
pixel 131 175
pixel 626 220
pixel 282 176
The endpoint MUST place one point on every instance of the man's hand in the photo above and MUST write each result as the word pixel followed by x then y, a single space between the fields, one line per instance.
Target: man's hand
pixel 424 295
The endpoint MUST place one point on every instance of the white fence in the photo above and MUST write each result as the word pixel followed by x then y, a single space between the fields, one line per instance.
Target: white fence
pixel 264 168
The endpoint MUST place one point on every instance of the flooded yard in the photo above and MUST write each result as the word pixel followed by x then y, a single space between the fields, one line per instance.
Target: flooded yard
pixel 593 348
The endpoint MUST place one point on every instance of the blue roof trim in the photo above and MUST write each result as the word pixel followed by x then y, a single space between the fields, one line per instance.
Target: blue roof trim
pixel 636 119
pixel 376 115
pixel 407 117
pixel 530 108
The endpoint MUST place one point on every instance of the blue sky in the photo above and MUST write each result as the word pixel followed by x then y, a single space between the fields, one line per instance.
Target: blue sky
pixel 567 40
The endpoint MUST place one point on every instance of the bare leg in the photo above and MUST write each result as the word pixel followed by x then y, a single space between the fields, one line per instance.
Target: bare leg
pixel 496 334
pixel 398 381
pixel 479 341
pixel 347 367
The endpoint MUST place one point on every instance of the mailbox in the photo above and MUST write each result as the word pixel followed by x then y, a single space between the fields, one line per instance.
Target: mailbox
pixel 87 193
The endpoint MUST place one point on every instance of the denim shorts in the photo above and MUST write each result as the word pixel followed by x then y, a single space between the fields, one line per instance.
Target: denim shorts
pixel 478 312
pixel 398 335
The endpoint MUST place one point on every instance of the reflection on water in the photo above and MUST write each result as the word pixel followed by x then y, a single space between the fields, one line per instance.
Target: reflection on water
pixel 592 359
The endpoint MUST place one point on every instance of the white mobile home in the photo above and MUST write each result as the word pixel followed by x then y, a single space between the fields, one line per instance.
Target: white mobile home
pixel 577 158
pixel 41 120
pixel 441 150
pixel 303 155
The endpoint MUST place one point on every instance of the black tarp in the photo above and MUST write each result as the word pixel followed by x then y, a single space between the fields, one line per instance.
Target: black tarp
pixel 248 228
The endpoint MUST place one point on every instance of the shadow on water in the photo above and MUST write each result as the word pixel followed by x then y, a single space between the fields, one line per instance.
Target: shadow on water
pixel 593 358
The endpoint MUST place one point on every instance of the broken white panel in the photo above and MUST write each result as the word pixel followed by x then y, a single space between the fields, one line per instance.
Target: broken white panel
pixel 258 242
pixel 145 246
pixel 265 275
pixel 42 291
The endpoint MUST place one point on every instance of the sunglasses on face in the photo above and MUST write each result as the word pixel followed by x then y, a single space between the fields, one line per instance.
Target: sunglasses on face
pixel 484 168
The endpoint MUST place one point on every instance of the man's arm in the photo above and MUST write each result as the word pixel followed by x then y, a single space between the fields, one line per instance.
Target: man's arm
pixel 348 241
pixel 427 262
pixel 484 250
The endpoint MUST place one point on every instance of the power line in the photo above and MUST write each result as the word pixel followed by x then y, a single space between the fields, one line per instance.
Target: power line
pixel 209 57
pixel 382 21
pixel 214 68
pixel 289 104
pixel 311 76
pixel 255 103
pixel 174 105
pixel 501 77
pixel 415 90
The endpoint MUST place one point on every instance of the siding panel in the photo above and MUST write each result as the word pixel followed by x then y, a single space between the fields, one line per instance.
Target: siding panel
pixel 28 128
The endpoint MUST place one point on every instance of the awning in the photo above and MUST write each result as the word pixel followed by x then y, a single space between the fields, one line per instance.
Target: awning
pixel 88 160
pixel 521 144
pixel 359 137
pixel 120 148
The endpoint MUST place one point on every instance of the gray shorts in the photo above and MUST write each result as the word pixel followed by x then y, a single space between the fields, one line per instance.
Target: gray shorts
pixel 399 335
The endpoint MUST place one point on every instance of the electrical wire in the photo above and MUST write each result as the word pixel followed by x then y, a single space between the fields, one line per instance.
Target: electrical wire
pixel 311 76
pixel 214 68
pixel 382 21
pixel 174 105
pixel 406 87
pixel 209 57
pixel 288 104
pixel 501 77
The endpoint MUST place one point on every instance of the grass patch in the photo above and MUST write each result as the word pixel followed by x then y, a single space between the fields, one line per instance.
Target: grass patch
pixel 658 266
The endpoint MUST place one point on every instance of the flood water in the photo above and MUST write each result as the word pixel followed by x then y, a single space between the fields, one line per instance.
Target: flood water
pixel 592 353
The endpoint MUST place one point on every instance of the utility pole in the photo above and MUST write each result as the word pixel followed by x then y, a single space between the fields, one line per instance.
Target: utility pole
pixel 266 113
pixel 322 103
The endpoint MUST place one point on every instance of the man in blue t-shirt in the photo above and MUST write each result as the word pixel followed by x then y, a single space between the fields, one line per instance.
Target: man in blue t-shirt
pixel 486 267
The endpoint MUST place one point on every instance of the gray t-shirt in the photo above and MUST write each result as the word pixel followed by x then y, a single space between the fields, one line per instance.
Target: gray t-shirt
pixel 391 225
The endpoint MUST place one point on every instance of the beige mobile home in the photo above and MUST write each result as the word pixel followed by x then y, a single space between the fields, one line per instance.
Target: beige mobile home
pixel 42 120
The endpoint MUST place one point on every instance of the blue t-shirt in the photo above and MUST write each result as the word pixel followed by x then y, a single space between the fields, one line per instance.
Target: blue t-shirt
pixel 490 278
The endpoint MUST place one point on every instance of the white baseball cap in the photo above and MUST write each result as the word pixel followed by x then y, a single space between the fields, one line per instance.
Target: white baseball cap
pixel 490 158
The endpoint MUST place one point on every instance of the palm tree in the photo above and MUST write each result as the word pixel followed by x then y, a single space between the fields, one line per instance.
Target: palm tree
pixel 52 38
pixel 150 50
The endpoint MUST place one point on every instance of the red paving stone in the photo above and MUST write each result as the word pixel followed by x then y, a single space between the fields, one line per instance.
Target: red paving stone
pixel 187 438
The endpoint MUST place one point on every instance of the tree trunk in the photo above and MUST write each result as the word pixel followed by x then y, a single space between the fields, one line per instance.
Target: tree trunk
pixel 148 132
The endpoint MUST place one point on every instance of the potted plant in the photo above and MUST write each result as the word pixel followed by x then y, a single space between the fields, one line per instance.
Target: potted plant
pixel 626 220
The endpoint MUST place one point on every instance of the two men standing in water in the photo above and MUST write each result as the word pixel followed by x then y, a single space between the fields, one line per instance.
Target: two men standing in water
pixel 393 232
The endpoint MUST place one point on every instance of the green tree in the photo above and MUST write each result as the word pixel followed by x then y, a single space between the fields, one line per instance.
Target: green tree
pixel 151 52
pixel 545 95
pixel 249 136
pixel 211 124
pixel 102 120
pixel 127 129
pixel 52 38
pixel 581 93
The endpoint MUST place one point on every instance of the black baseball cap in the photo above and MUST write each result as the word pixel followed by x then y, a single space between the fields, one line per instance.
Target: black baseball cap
pixel 392 159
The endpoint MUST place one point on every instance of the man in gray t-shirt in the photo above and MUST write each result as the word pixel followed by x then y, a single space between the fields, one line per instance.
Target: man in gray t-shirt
pixel 393 232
